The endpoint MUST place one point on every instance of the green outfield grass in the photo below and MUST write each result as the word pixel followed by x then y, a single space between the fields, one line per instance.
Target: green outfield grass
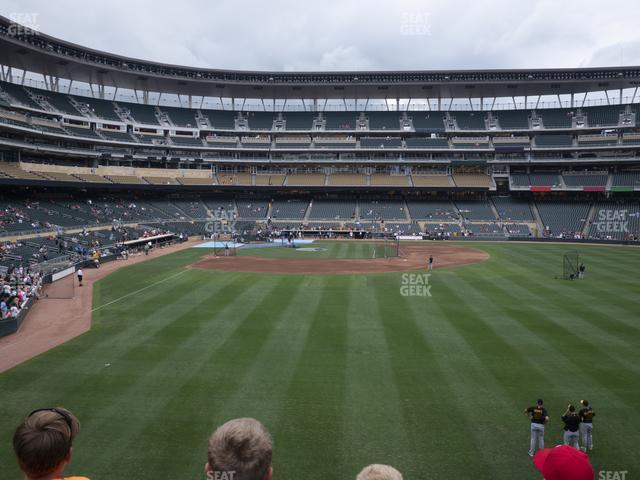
pixel 344 370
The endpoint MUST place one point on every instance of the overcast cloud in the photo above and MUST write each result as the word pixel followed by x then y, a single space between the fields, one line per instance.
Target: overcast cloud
pixel 349 35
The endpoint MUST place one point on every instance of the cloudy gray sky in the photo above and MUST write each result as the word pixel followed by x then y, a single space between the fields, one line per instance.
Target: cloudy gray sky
pixel 348 34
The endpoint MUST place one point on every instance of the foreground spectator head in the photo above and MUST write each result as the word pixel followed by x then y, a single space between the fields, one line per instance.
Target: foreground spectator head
pixel 563 463
pixel 43 442
pixel 240 449
pixel 379 472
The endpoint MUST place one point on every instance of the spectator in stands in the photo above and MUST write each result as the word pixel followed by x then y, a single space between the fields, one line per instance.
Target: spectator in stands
pixel 379 472
pixel 242 446
pixel 43 443
pixel 563 463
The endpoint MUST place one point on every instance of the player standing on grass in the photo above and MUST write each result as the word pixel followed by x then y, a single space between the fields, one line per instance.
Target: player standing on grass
pixel 586 426
pixel 571 425
pixel 430 262
pixel 539 417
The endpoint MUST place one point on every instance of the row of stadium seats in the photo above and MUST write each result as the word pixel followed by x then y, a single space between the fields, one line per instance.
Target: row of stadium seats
pixel 305 142
pixel 18 215
pixel 167 177
pixel 428 121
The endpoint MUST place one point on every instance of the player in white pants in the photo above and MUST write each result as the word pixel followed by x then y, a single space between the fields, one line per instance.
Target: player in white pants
pixel 571 425
pixel 539 417
pixel 586 426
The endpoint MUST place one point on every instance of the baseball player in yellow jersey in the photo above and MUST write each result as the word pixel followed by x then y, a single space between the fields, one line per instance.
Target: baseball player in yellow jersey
pixel 586 414
pixel 539 417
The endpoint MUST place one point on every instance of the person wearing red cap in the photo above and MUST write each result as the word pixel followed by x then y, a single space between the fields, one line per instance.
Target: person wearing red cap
pixel 563 463
pixel 539 417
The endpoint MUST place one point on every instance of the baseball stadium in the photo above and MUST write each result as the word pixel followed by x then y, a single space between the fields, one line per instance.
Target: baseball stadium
pixel 381 267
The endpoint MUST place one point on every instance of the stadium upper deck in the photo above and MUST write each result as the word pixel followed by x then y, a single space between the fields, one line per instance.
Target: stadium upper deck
pixel 32 51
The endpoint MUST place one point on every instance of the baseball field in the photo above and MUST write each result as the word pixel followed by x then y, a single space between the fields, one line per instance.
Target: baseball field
pixel 430 375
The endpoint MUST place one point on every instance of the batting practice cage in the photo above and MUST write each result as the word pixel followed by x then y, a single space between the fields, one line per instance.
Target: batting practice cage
pixel 570 265
pixel 62 286
pixel 386 248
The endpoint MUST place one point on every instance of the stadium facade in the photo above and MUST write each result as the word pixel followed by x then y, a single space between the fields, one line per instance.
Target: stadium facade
pixel 470 152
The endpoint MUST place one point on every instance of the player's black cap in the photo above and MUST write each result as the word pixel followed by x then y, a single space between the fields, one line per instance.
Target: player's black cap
pixel 539 401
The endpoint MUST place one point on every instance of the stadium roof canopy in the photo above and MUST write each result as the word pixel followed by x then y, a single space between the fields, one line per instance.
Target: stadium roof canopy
pixel 32 51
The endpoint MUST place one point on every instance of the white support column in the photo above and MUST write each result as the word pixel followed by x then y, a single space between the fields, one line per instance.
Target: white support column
pixel 69 87
pixel 115 92
pixel 620 102
pixel 243 102
pixel 606 92
pixel 159 97
pixel 482 104
pixel 24 75
pixel 526 101
pixel 190 101
pixel 470 103
pixel 572 99
pixel 493 103
pixel 635 92
pixel 397 104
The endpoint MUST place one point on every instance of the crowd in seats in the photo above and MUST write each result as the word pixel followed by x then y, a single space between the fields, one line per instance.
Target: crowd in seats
pixel 235 179
pixel 17 286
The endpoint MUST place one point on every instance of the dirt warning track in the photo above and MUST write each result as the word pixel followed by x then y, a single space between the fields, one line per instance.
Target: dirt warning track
pixel 412 257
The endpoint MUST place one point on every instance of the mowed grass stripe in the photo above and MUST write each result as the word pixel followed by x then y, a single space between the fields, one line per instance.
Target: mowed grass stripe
pixel 110 335
pixel 170 381
pixel 311 426
pixel 488 407
pixel 263 393
pixel 373 424
pixel 553 311
pixel 434 423
pixel 227 366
